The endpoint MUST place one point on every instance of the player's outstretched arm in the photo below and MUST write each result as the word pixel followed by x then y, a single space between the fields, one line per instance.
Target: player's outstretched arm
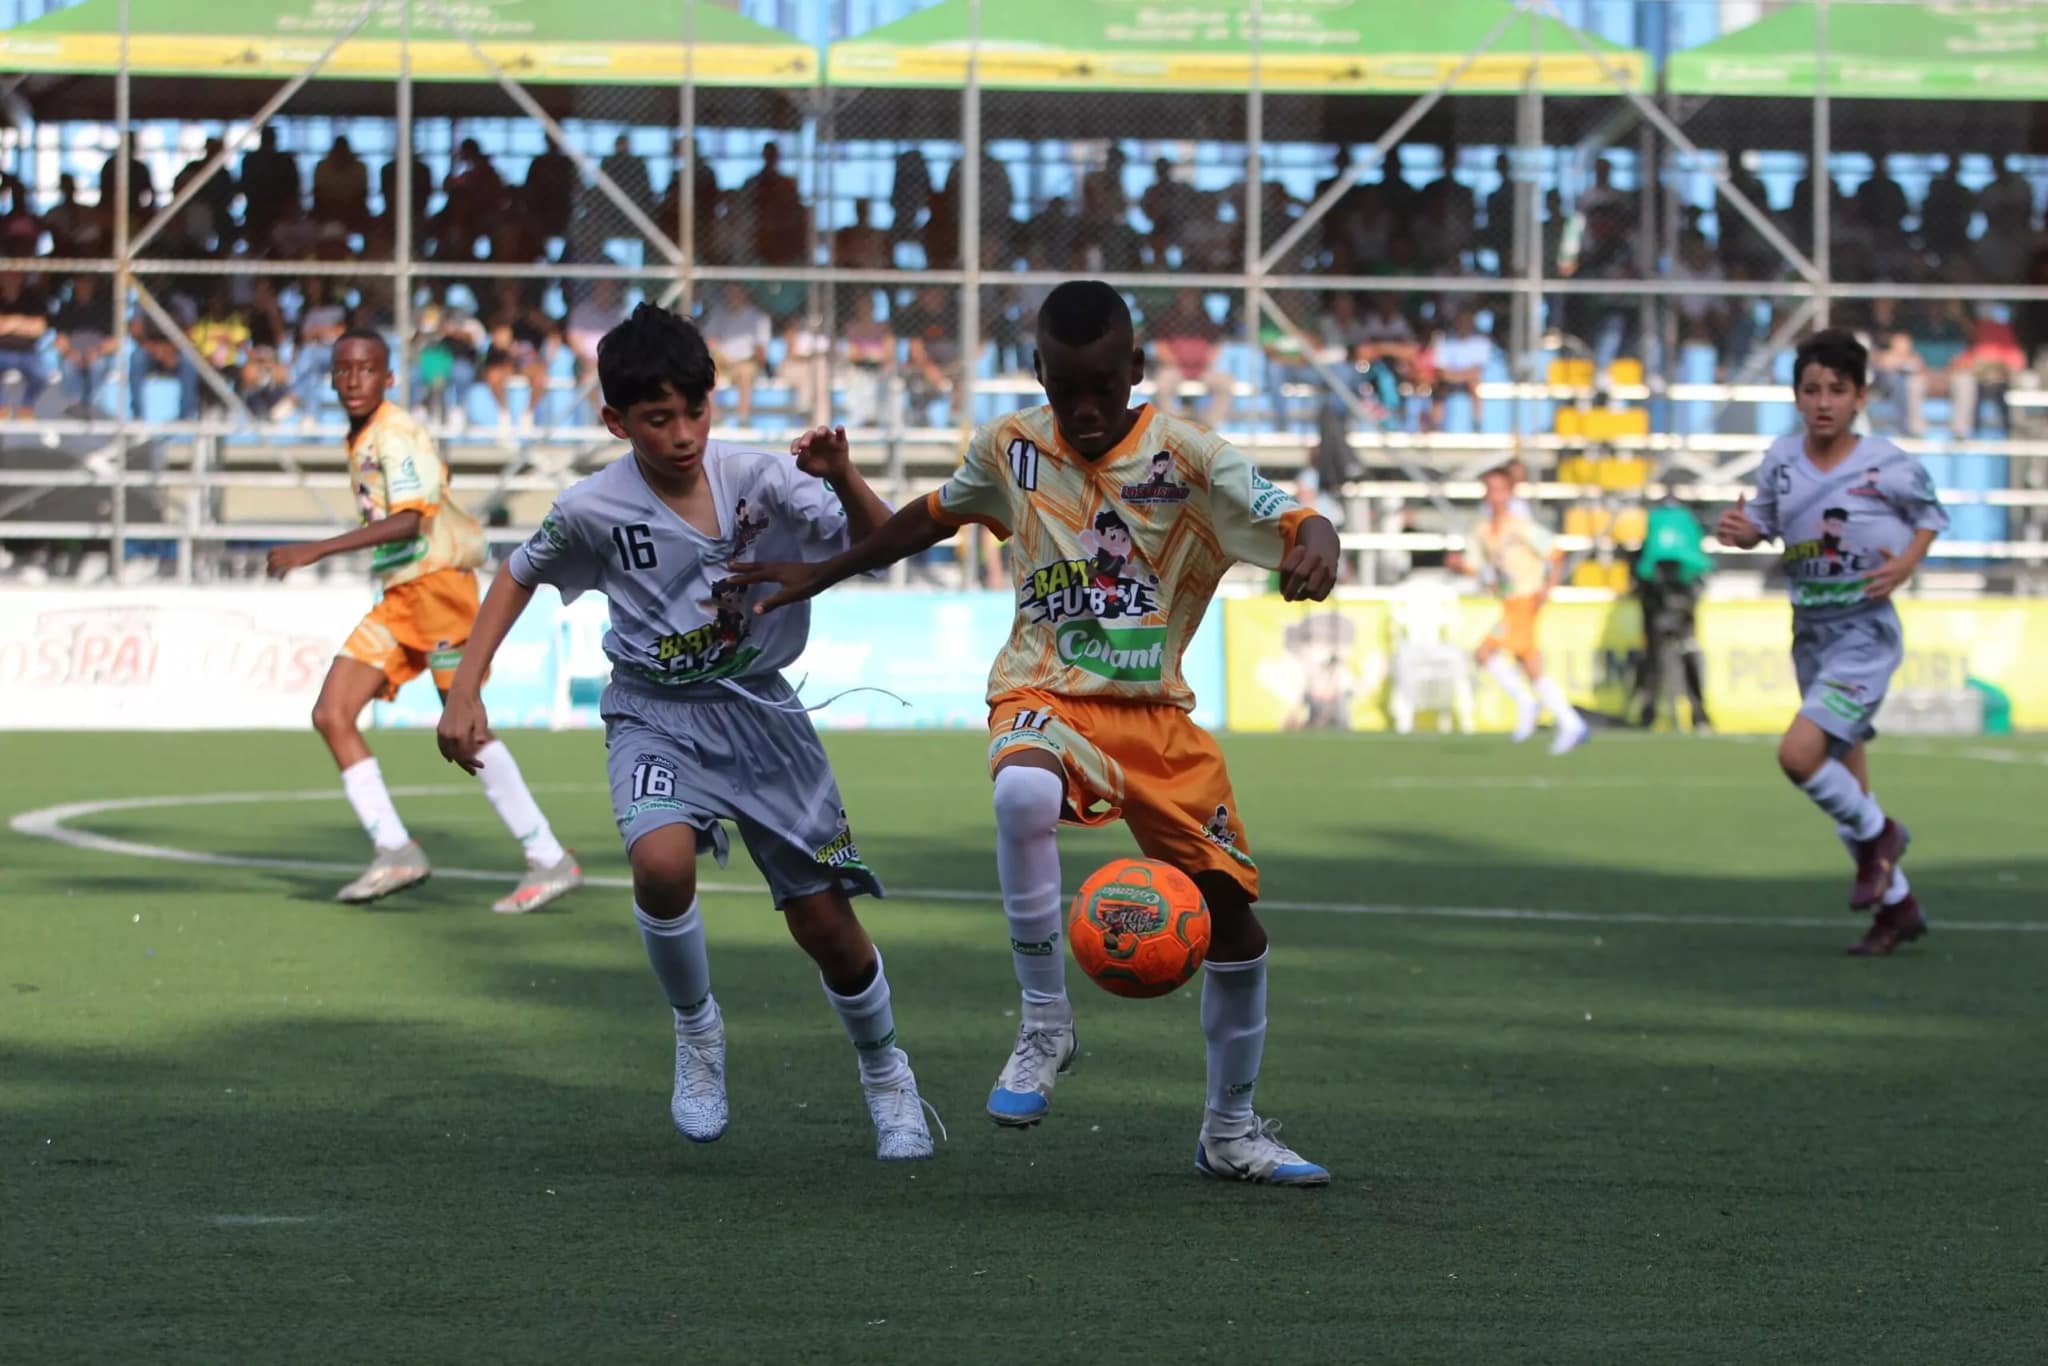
pixel 909 532
pixel 824 453
pixel 399 526
pixel 1737 528
pixel 465 728
pixel 1309 571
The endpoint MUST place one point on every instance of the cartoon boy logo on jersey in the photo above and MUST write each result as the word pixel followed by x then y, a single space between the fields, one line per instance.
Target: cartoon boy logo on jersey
pixel 1104 586
pixel 1833 522
pixel 1158 486
pixel 746 530
pixel 1218 829
pixel 1830 556
pixel 1869 488
pixel 718 648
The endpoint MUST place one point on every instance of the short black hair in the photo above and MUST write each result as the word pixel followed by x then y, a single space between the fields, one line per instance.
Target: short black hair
pixel 366 334
pixel 1834 514
pixel 1107 520
pixel 652 354
pixel 1080 312
pixel 1836 349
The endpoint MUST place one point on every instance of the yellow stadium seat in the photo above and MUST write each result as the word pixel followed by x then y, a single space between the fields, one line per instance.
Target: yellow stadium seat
pixel 1625 370
pixel 1570 422
pixel 1590 574
pixel 1631 525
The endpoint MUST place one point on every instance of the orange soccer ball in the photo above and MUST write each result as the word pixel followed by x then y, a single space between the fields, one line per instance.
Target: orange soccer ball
pixel 1138 927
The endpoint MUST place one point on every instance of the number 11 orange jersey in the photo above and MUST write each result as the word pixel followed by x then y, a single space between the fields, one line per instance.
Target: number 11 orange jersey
pixel 1116 559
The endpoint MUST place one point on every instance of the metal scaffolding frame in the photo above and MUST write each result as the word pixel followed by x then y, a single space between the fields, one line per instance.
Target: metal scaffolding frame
pixel 1525 278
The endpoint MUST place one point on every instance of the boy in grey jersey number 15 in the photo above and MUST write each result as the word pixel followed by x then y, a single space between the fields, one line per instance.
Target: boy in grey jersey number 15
pixel 1856 515
pixel 700 727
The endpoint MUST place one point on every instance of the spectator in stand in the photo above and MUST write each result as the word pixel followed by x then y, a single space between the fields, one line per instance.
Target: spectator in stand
pixel 781 227
pixel 87 341
pixel 942 241
pixel 910 195
pixel 705 198
pixel 265 380
pixel 341 188
pixel 2002 253
pixel 141 188
pixel 737 333
pixel 1985 371
pixel 522 342
pixel 1172 207
pixel 1384 347
pixel 213 225
pixel 1288 365
pixel 2030 319
pixel 1103 199
pixel 1186 343
pixel 1446 215
pixel 807 366
pixel 24 319
pixel 1945 214
pixel 932 343
pixel 21 232
pixel 548 196
pixel 1744 249
pixel 1499 237
pixel 221 336
pixel 322 320
pixel 155 354
pixel 451 341
pixel 1702 316
pixel 868 350
pixel 1897 373
pixel 860 245
pixel 1458 360
pixel 76 229
pixel 1881 204
pixel 270 189
pixel 474 195
pixel 601 308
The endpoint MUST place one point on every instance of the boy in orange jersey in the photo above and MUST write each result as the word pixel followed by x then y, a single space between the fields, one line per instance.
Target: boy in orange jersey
pixel 426 550
pixel 1124 520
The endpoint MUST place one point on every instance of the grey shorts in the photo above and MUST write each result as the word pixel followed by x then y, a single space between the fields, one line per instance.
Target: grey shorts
pixel 1845 666
pixel 710 756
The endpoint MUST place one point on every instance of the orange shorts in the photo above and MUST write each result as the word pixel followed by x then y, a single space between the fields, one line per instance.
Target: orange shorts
pixel 1146 763
pixel 1516 630
pixel 418 626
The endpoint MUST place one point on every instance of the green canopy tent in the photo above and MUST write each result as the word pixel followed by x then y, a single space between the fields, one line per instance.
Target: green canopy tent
pixel 1976 73
pixel 220 59
pixel 1133 65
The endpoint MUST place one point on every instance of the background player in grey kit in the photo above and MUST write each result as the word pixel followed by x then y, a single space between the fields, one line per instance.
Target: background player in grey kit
pixel 1856 515
pixel 700 727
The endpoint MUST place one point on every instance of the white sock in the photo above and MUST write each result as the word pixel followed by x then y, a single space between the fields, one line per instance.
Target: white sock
pixel 675 950
pixel 1027 804
pixel 1551 693
pixel 364 784
pixel 1834 789
pixel 872 1027
pixel 515 805
pixel 1234 1024
pixel 1900 889
pixel 1509 675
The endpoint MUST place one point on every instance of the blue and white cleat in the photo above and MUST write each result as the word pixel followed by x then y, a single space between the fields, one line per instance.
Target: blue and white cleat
pixel 697 1105
pixel 1023 1093
pixel 1256 1156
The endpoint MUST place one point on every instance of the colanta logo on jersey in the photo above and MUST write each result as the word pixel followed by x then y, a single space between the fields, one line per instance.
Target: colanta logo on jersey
pixel 1104 587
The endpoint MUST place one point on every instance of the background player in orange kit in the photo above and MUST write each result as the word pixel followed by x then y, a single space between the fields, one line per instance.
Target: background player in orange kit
pixel 426 550
pixel 1088 713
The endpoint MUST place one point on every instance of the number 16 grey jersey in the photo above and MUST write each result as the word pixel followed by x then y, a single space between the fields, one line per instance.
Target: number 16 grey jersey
pixel 1839 525
pixel 676 620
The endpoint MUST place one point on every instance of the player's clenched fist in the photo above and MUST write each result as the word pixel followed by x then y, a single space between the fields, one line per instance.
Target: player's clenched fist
pixel 1309 571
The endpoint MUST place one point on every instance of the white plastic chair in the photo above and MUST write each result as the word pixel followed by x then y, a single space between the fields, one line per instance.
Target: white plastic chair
pixel 1430 670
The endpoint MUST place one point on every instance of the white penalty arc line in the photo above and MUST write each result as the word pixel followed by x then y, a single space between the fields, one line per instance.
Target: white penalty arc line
pixel 52 823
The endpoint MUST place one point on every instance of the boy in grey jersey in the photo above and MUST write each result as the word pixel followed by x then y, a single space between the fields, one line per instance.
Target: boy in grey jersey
pixel 1856 515
pixel 700 727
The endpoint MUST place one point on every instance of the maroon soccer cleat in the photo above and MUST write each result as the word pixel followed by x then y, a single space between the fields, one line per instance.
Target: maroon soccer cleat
pixel 1875 859
pixel 1892 926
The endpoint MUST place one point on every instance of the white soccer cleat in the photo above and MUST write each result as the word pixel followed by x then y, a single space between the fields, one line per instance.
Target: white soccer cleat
pixel 1570 737
pixel 898 1111
pixel 698 1103
pixel 1255 1155
pixel 1023 1093
pixel 540 886
pixel 393 870
pixel 1525 722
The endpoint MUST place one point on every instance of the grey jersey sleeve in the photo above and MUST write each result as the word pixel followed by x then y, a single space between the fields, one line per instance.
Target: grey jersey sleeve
pixel 813 506
pixel 559 553
pixel 1771 478
pixel 1910 490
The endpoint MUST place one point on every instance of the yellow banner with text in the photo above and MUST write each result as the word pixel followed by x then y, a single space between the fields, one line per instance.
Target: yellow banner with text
pixel 1293 666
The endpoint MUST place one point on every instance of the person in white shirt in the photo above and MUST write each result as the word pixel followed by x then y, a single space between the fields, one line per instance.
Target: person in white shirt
pixel 1461 356
pixel 737 331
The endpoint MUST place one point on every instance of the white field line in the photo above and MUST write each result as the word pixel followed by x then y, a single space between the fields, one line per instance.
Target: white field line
pixel 52 823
